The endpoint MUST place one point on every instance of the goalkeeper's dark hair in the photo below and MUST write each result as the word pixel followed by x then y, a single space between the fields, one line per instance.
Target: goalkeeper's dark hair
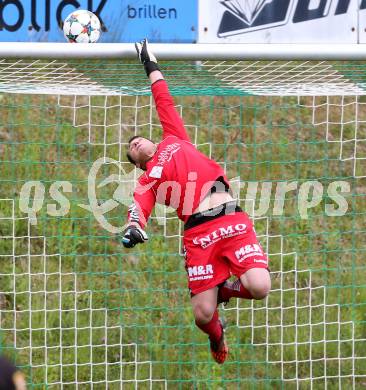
pixel 129 158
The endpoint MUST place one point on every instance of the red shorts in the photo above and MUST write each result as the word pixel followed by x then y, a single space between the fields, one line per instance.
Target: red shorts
pixel 219 248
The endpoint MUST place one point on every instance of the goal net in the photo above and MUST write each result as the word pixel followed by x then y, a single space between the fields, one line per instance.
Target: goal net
pixel 77 310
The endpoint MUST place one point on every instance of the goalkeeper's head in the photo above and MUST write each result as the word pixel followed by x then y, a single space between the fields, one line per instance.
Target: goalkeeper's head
pixel 10 376
pixel 140 151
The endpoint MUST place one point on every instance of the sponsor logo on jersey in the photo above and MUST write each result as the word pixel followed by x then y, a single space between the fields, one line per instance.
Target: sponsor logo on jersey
pixel 200 272
pixel 167 153
pixel 247 251
pixel 220 233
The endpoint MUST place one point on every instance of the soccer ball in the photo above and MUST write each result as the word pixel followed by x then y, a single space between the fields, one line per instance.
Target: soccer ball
pixel 82 27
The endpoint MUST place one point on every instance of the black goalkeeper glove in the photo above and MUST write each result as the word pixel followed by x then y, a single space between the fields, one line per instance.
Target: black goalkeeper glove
pixel 133 235
pixel 146 57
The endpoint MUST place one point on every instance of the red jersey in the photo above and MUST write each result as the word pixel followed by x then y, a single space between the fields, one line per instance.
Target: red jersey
pixel 178 175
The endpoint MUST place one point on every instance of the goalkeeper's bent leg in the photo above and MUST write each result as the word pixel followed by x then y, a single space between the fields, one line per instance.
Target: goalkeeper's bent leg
pixel 207 319
pixel 234 289
pixel 213 328
pixel 254 284
pixel 205 313
pixel 257 281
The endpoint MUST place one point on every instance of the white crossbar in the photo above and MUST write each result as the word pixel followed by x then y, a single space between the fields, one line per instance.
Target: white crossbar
pixel 186 51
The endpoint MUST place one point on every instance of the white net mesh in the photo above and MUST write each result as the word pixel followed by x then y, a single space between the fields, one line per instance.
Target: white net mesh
pixel 92 316
pixel 275 78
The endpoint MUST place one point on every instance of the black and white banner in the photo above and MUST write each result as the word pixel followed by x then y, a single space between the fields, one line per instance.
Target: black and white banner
pixel 282 21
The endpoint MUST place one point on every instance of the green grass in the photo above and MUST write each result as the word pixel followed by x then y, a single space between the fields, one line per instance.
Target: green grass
pixel 109 307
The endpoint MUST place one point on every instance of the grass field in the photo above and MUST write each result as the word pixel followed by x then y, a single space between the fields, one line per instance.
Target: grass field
pixel 78 308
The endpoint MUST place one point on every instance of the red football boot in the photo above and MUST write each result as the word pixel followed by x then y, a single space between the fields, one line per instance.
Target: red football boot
pixel 220 350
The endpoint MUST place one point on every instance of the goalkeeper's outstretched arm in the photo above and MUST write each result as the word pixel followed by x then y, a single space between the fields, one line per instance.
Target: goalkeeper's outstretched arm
pixel 170 119
pixel 172 126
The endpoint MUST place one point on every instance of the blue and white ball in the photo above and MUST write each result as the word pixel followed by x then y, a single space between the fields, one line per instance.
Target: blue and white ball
pixel 82 26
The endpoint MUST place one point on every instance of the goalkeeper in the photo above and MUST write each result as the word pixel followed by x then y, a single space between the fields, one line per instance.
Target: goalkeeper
pixel 219 239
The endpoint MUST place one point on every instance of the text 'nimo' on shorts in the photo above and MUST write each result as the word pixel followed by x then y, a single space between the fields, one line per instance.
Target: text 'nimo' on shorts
pixel 221 247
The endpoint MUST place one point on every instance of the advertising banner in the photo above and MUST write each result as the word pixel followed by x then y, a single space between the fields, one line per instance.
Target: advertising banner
pixel 122 20
pixel 280 21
